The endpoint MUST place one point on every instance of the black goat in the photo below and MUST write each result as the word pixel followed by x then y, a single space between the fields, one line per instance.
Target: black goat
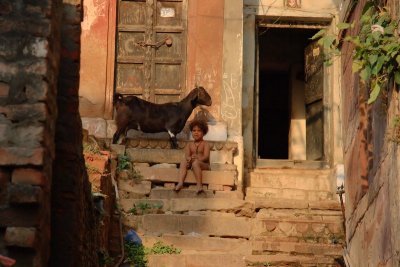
pixel 139 114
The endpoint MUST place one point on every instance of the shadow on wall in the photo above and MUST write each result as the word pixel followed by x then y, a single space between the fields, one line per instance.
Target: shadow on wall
pixel 72 209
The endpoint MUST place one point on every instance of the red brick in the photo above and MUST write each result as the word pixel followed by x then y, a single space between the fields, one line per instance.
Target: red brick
pixel 4 89
pixel 20 236
pixel 27 176
pixel 24 194
pixel 21 156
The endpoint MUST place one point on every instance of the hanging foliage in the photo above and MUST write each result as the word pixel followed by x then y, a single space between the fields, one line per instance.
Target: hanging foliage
pixel 376 55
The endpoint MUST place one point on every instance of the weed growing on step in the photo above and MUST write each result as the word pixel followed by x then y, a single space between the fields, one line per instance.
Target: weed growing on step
pixel 137 254
pixel 92 170
pixel 144 207
pixel 91 147
pixel 124 163
pixel 105 258
pixel 135 175
pixel 161 248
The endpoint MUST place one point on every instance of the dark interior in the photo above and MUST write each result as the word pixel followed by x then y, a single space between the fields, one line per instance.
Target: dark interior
pixel 278 51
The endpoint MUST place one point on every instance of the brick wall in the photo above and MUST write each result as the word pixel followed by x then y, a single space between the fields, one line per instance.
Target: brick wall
pixel 45 200
pixel 371 167
pixel 29 48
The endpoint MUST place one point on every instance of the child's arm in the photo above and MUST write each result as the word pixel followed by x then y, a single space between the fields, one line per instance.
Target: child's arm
pixel 188 156
pixel 205 157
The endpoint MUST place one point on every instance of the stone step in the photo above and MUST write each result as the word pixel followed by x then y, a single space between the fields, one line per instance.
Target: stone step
pixel 298 179
pixel 196 260
pixel 174 156
pixel 273 248
pixel 232 260
pixel 196 244
pixel 279 203
pixel 171 175
pixel 279 172
pixel 289 260
pixel 192 244
pixel 166 193
pixel 220 226
pixel 179 205
pixel 256 193
pixel 298 230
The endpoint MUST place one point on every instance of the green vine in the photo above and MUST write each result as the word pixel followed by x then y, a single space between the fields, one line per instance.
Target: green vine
pixel 376 56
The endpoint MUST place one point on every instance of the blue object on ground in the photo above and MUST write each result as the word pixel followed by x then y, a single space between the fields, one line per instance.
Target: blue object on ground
pixel 132 237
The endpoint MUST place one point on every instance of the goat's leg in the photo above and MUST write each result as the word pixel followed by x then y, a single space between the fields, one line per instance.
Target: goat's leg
pixel 117 135
pixel 172 138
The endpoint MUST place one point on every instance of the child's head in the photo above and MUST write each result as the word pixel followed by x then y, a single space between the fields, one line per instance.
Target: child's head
pixel 199 123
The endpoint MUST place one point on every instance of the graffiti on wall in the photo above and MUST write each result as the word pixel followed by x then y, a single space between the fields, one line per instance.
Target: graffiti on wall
pixel 229 99
pixel 206 78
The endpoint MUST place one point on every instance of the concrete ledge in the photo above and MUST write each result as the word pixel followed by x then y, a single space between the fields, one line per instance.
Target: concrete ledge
pixel 203 225
pixel 197 260
pixel 171 175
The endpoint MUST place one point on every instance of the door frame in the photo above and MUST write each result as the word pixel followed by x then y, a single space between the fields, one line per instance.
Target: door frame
pixel 331 102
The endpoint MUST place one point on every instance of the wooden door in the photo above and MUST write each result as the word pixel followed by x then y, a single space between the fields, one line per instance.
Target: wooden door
pixel 151 49
pixel 314 85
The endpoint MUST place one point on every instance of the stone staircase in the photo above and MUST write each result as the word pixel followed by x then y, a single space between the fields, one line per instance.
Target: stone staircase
pixel 288 217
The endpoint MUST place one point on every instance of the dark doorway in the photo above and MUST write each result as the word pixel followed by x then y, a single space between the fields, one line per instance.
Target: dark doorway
pixel 274 115
pixel 280 53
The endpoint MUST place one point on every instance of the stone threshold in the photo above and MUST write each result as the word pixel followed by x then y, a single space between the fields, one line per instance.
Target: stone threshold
pixel 291 164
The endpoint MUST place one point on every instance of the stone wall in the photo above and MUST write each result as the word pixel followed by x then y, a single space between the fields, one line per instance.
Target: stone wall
pixel 45 200
pixel 371 161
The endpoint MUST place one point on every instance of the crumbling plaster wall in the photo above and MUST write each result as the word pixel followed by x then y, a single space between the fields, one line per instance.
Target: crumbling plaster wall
pixel 371 162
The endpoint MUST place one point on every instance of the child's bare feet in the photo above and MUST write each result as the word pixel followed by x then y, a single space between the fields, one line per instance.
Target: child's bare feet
pixel 178 187
pixel 199 190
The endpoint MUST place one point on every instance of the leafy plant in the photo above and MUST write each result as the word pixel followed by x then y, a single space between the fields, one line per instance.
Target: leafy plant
pixel 136 254
pixel 160 248
pixel 91 147
pixel 92 170
pixel 123 162
pixel 105 258
pixel 143 206
pixel 135 175
pixel 376 56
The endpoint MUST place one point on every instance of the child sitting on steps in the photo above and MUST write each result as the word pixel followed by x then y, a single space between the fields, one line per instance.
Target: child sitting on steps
pixel 197 155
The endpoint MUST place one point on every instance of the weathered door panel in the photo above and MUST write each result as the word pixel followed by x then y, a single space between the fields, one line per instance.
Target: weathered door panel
pixel 151 49
pixel 314 102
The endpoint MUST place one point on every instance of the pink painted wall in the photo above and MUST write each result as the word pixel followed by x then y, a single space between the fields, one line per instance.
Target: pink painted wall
pixel 204 53
pixel 92 89
pixel 205 48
